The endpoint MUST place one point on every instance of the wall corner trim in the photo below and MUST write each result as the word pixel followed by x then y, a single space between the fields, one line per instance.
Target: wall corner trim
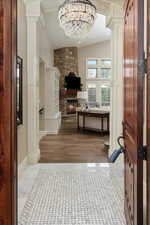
pixel 22 166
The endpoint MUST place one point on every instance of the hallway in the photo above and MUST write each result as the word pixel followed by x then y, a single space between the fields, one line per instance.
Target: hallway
pixel 71 194
pixel 73 146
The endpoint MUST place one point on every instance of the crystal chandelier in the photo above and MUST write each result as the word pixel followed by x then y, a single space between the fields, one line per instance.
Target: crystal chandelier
pixel 77 17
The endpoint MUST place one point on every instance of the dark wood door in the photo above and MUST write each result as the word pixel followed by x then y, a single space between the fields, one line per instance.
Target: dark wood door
pixel 133 109
pixel 148 115
pixel 8 156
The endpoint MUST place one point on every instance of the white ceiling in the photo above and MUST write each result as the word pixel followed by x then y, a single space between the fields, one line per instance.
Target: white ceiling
pixel 98 33
pixel 53 5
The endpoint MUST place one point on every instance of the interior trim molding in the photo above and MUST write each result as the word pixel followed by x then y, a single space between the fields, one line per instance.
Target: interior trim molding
pixel 42 134
pixel 34 157
pixel 53 132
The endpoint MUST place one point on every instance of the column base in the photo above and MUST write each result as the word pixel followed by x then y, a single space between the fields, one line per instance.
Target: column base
pixel 34 158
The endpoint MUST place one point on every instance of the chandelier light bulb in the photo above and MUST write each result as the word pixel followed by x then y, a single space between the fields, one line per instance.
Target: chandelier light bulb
pixel 77 17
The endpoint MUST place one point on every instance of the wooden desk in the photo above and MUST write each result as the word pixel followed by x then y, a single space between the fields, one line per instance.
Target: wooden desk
pixel 103 117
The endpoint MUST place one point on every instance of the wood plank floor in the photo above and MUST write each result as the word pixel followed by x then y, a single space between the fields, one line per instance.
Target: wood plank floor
pixel 72 146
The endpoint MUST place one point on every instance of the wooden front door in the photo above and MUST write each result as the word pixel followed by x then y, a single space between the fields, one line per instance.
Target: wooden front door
pixel 148 115
pixel 8 158
pixel 133 109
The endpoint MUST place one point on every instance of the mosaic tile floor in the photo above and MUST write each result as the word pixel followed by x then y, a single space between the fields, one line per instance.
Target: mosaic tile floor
pixel 70 194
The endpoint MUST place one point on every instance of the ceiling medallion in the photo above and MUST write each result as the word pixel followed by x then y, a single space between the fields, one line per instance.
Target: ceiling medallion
pixel 77 18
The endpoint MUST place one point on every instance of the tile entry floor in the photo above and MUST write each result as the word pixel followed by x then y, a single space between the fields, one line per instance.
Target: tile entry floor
pixel 71 194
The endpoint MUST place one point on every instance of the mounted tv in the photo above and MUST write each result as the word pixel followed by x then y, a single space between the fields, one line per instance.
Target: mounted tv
pixel 72 82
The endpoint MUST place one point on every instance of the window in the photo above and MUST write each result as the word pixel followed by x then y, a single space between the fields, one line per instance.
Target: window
pixel 92 95
pixel 105 73
pixel 92 73
pixel 105 96
pixel 92 62
pixel 98 82
pixel 98 68
pixel 106 63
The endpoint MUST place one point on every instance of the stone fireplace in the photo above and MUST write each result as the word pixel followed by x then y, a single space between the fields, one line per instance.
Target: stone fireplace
pixel 66 60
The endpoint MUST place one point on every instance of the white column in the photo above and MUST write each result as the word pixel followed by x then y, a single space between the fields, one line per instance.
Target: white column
pixel 33 13
pixel 115 23
pixel 52 114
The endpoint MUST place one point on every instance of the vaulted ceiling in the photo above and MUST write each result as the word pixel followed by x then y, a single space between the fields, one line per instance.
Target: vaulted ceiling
pixel 98 33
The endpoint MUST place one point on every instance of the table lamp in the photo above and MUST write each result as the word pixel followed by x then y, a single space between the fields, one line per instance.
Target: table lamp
pixel 83 97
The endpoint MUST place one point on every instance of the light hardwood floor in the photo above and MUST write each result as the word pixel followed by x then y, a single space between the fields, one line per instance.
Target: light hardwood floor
pixel 73 146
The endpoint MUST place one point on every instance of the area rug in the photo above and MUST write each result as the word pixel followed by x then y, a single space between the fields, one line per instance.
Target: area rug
pixel 66 196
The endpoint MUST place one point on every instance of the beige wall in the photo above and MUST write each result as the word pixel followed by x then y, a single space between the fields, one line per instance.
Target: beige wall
pixel 22 52
pixel 100 50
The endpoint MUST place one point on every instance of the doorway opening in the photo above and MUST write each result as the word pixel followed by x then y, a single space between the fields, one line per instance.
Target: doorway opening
pixel 69 193
pixel 71 98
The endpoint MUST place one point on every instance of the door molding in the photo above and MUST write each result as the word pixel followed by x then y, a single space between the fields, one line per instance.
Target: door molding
pixel 8 135
pixel 148 113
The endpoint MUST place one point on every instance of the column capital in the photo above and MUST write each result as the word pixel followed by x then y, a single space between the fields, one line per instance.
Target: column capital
pixel 33 8
pixel 103 7
pixel 48 68
pixel 115 17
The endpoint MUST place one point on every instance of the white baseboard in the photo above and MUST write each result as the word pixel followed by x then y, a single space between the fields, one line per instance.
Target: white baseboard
pixel 22 166
pixel 42 134
pixel 53 132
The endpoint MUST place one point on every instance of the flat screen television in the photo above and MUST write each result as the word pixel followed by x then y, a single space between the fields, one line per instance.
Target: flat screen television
pixel 73 82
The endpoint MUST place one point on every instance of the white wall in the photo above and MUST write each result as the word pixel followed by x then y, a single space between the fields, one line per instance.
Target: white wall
pixel 99 50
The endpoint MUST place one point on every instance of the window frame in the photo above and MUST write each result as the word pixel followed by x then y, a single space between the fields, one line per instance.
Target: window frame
pixel 99 67
pixel 99 82
pixel 102 87
pixel 91 69
pixel 95 87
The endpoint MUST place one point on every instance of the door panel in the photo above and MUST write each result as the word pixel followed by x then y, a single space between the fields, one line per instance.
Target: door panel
pixel 148 114
pixel 8 156
pixel 133 109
